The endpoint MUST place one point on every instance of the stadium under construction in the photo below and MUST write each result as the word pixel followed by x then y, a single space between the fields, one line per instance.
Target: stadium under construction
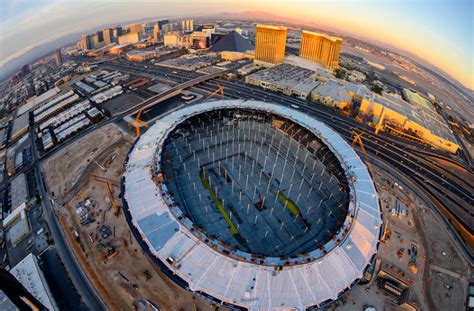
pixel 252 204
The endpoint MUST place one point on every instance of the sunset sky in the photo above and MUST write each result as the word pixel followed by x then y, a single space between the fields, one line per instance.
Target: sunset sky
pixel 441 32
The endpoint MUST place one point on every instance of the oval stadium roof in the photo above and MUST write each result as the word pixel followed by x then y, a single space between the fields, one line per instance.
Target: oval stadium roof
pixel 233 281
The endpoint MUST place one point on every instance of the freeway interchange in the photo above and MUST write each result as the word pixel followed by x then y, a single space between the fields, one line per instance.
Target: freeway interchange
pixel 451 197
pixel 408 158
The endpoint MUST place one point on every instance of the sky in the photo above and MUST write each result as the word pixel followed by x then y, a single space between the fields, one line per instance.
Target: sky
pixel 440 31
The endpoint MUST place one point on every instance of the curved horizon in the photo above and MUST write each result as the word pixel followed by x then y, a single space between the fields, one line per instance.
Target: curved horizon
pixel 439 32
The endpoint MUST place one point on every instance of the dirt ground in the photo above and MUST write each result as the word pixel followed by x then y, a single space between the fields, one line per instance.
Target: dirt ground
pixel 129 276
pixel 63 169
pixel 440 282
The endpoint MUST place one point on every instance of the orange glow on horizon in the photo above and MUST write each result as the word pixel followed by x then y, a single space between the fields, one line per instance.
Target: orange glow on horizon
pixel 419 41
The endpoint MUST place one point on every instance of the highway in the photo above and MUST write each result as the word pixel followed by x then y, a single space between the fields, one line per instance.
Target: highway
pixel 179 76
pixel 407 157
pixel 79 279
pixel 236 89
pixel 396 153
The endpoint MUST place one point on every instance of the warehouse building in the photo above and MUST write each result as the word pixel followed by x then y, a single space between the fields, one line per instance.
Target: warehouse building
pixel 17 224
pixel 285 78
pixel 29 274
pixel 18 191
pixel 20 126
pixel 108 94
pixel 332 94
pixel 36 101
pixel 415 120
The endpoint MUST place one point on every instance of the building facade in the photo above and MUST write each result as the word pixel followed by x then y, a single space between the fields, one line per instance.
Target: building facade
pixel 177 40
pixel 270 42
pixel 187 25
pixel 200 40
pixel 132 37
pixel 58 59
pixel 156 33
pixel 321 48
pixel 108 36
pixel 136 28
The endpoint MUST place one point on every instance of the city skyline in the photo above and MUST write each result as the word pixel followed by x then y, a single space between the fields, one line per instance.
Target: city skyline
pixel 411 26
pixel 264 155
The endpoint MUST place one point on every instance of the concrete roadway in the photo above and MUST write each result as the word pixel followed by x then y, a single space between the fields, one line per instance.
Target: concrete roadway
pixel 87 292
pixel 399 154
pixel 179 76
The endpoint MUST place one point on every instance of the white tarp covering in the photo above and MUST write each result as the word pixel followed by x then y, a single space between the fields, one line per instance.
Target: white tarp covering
pixel 239 282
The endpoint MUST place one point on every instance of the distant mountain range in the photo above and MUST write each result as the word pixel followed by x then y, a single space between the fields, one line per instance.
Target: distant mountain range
pixel 34 54
pixel 264 16
pixel 256 16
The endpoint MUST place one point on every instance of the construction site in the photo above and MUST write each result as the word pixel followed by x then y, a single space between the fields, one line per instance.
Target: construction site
pixel 251 205
pixel 258 183
pixel 221 200
pixel 86 192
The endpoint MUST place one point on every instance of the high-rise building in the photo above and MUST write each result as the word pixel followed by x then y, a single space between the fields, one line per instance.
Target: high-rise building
pixel 119 31
pixel 200 40
pixel 95 41
pixel 136 28
pixel 86 43
pixel 156 31
pixel 100 37
pixel 177 40
pixel 320 48
pixel 58 57
pixel 270 43
pixel 161 23
pixel 107 34
pixel 129 38
pixel 187 25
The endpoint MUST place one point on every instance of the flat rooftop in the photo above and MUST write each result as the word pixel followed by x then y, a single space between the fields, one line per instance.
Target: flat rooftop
pixel 28 273
pixel 332 38
pixel 33 102
pixel 18 191
pixel 273 27
pixel 287 76
pixel 334 90
pixel 20 123
pixel 424 115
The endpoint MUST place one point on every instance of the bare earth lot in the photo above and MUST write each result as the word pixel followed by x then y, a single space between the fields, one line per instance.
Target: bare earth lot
pixel 70 175
pixel 439 280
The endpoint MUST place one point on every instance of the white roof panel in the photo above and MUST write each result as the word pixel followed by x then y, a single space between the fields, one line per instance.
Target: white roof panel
pixel 239 282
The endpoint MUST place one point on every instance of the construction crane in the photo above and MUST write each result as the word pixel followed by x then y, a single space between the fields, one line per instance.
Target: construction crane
pixel 379 124
pixel 219 89
pixel 358 139
pixel 386 232
pixel 105 179
pixel 109 183
pixel 137 123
